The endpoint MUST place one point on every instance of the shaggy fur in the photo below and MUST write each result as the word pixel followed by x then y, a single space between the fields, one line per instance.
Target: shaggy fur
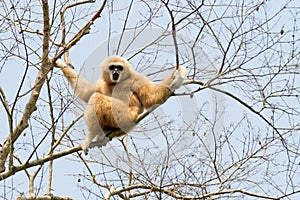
pixel 116 104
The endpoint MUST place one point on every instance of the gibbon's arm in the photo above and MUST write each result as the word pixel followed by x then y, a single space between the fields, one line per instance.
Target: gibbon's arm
pixel 151 94
pixel 82 88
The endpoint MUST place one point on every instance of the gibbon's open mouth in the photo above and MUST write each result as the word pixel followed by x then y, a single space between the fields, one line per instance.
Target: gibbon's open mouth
pixel 115 76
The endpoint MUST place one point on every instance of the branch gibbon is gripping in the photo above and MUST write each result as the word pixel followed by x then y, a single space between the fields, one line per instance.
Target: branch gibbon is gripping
pixel 119 97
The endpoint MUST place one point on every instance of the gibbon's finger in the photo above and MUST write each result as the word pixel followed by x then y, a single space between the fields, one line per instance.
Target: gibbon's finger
pixel 57 64
pixel 183 71
pixel 178 77
pixel 70 65
pixel 61 64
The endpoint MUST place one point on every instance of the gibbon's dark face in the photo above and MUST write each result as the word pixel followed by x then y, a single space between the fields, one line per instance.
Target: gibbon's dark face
pixel 116 72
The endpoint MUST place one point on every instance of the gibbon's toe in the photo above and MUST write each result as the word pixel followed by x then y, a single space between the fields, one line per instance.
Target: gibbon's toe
pixel 106 140
pixel 85 147
pixel 102 141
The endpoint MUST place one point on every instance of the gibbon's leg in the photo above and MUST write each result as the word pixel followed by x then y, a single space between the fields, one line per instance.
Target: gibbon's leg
pixel 155 94
pixel 82 88
pixel 104 114
pixel 93 125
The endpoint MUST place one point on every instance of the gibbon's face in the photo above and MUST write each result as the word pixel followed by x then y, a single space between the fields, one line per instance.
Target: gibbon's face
pixel 115 72
pixel 115 69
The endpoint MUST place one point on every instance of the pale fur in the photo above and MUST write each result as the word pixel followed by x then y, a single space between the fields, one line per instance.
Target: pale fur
pixel 116 105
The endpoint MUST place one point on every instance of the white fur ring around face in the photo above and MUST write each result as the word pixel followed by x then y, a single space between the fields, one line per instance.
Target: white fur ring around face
pixel 179 76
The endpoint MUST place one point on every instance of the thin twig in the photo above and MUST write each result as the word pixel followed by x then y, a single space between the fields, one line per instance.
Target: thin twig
pixel 173 33
pixel 83 31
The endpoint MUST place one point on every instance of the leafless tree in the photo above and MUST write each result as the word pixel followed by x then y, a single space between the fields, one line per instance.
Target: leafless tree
pixel 231 132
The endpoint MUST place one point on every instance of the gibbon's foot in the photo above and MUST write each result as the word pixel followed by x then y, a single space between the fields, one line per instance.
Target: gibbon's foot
pixel 100 142
pixel 179 76
pixel 85 147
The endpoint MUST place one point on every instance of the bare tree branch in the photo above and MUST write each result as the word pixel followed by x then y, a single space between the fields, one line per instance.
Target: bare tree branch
pixel 31 104
pixel 83 31
pixel 231 132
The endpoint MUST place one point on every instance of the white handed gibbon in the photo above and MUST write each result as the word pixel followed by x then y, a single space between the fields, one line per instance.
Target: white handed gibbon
pixel 116 100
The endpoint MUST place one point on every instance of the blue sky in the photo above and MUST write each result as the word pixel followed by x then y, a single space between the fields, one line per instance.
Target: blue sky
pixel 206 105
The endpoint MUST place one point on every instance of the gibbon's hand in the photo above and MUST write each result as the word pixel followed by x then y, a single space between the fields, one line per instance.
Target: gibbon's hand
pixel 61 64
pixel 179 76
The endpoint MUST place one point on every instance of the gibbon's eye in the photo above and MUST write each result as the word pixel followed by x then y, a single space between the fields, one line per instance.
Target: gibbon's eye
pixel 116 67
